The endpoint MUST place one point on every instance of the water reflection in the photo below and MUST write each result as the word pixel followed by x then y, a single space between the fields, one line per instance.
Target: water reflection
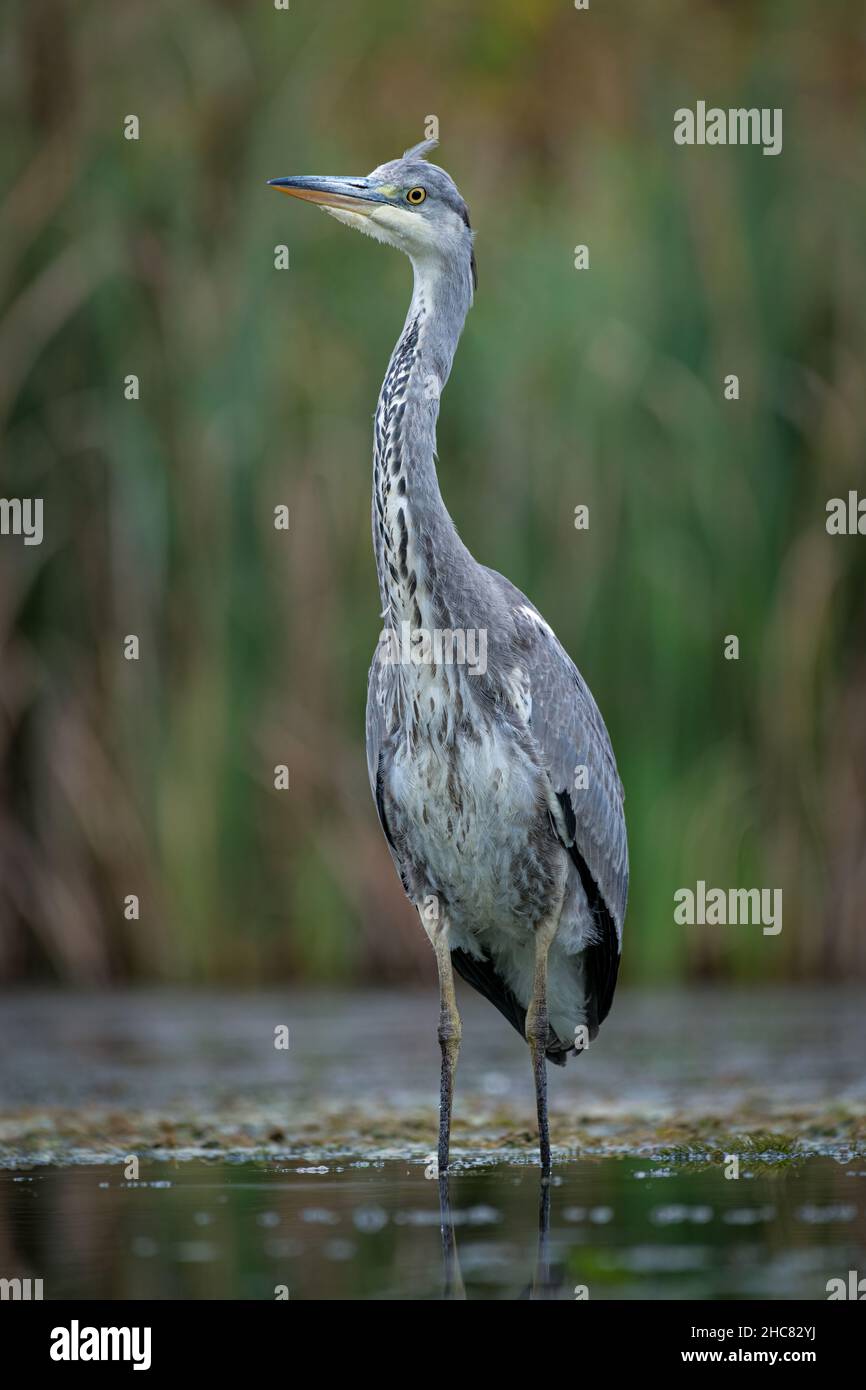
pixel 368 1228
pixel 453 1286
pixel 545 1284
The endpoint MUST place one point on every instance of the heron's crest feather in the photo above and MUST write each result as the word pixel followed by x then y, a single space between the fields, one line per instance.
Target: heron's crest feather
pixel 420 151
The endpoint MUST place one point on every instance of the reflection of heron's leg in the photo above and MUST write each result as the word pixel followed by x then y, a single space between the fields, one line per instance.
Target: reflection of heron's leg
pixel 453 1283
pixel 436 927
pixel 537 1028
pixel 542 1284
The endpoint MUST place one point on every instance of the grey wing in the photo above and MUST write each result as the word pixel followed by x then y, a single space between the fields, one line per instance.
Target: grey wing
pixel 571 735
pixel 568 726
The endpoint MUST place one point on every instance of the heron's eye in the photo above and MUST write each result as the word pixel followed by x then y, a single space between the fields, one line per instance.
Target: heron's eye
pixel 416 196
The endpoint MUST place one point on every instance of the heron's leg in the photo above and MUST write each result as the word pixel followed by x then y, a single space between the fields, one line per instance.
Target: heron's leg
pixel 436 927
pixel 537 1029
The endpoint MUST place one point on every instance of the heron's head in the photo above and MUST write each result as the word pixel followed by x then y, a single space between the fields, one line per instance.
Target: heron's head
pixel 407 203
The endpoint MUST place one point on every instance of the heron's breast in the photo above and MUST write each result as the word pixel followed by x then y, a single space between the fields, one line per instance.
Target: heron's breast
pixel 471 818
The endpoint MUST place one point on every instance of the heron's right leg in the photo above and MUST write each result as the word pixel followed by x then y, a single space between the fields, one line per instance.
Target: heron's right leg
pixel 436 926
pixel 537 1029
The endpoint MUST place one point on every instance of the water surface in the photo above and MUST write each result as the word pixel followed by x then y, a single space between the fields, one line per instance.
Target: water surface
pixel 307 1171
pixel 356 1229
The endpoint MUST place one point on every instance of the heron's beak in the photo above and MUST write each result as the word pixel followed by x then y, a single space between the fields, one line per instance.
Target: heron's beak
pixel 357 195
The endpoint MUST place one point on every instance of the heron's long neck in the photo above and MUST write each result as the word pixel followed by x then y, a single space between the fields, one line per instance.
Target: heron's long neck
pixel 413 535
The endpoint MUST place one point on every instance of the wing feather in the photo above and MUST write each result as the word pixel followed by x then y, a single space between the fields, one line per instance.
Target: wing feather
pixel 570 731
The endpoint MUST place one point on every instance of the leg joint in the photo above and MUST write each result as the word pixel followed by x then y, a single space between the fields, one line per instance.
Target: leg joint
pixel 537 1025
pixel 449 1028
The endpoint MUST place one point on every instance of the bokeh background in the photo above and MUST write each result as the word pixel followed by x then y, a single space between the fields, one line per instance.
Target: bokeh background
pixel 603 387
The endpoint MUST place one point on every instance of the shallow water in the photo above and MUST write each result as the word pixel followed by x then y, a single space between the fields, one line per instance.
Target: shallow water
pixel 619 1228
pixel 308 1168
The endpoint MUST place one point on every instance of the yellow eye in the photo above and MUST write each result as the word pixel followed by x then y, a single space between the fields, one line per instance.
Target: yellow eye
pixel 416 196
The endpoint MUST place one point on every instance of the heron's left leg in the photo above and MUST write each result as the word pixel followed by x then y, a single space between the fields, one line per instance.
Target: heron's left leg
pixel 436 927
pixel 537 1030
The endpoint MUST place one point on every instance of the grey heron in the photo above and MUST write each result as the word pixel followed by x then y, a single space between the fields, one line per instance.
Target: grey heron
pixel 494 779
